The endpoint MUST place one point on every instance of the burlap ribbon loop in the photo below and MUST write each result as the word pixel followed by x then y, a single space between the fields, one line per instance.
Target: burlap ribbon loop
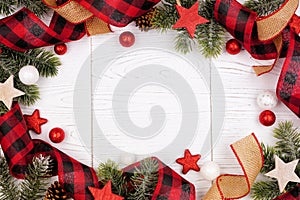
pixel 228 186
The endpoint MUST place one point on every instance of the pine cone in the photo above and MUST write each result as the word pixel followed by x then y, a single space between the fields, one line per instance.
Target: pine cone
pixel 144 22
pixel 55 191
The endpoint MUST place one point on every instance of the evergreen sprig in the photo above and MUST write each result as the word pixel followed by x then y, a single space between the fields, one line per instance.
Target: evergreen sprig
pixel 12 61
pixel 209 36
pixel 8 187
pixel 36 180
pixel 144 180
pixel 111 171
pixel 287 148
pixel 264 7
pixel 32 187
pixel 7 7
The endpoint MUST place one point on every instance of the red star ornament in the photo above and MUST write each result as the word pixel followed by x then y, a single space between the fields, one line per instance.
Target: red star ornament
pixel 189 162
pixel 34 121
pixel 189 18
pixel 295 24
pixel 104 193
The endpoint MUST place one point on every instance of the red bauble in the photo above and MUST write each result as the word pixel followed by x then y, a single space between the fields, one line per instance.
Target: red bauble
pixel 233 46
pixel 57 135
pixel 60 49
pixel 267 118
pixel 126 39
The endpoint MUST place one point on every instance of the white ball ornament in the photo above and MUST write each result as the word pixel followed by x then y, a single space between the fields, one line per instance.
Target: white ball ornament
pixel 29 75
pixel 210 170
pixel 267 100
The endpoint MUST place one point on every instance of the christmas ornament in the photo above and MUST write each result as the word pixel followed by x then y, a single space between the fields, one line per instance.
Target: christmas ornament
pixel 233 46
pixel 189 18
pixel 29 75
pixel 55 191
pixel 104 193
pixel 295 24
pixel 127 39
pixel 210 170
pixel 8 92
pixel 267 118
pixel 60 49
pixel 284 172
pixel 144 22
pixel 189 162
pixel 57 135
pixel 34 121
pixel 267 100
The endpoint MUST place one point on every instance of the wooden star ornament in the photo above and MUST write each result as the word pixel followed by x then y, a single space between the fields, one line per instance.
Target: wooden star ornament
pixel 284 172
pixel 34 121
pixel 189 162
pixel 189 18
pixel 8 92
pixel 105 193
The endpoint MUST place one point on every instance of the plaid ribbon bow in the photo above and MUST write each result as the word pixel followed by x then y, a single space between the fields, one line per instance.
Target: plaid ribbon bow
pixel 24 30
pixel 244 25
pixel 19 149
pixel 170 185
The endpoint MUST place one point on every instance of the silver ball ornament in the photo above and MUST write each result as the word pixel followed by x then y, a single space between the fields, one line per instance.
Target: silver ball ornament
pixel 29 75
pixel 210 170
pixel 267 100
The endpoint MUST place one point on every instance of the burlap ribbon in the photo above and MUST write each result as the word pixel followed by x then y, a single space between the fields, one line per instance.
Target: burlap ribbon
pixel 228 186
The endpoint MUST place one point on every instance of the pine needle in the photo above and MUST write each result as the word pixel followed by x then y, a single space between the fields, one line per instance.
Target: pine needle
pixel 111 171
pixel 264 7
pixel 36 182
pixel 8 187
pixel 265 190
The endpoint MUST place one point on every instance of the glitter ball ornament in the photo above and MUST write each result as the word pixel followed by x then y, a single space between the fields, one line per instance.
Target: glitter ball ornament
pixel 267 118
pixel 60 49
pixel 210 170
pixel 126 39
pixel 29 75
pixel 233 46
pixel 267 100
pixel 57 135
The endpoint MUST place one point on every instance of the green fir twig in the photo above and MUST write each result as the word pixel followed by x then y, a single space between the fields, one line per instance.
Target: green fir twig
pixel 8 187
pixel 264 7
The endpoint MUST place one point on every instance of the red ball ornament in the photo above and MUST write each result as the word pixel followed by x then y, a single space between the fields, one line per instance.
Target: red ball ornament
pixel 57 135
pixel 233 46
pixel 267 118
pixel 126 39
pixel 60 49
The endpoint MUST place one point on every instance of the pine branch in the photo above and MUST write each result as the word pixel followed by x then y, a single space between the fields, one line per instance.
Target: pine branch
pixel 144 180
pixel 37 7
pixel 288 140
pixel 12 61
pixel 183 42
pixel 35 184
pixel 111 171
pixel 269 159
pixel 8 187
pixel 7 6
pixel 265 190
pixel 264 7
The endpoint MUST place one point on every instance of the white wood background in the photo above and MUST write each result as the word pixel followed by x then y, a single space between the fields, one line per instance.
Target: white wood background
pixel 83 139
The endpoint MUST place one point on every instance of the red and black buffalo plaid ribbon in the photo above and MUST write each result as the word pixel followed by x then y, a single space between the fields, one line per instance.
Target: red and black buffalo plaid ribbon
pixel 24 30
pixel 170 186
pixel 19 149
pixel 293 194
pixel 241 23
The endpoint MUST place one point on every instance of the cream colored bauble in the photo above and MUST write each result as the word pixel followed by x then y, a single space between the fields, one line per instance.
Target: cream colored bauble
pixel 29 75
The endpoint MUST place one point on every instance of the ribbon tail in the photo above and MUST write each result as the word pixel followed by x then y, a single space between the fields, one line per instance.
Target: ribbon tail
pixel 19 150
pixel 228 186
pixel 288 87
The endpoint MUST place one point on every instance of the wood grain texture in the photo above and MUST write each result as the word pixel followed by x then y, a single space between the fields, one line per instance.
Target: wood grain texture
pixel 84 141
